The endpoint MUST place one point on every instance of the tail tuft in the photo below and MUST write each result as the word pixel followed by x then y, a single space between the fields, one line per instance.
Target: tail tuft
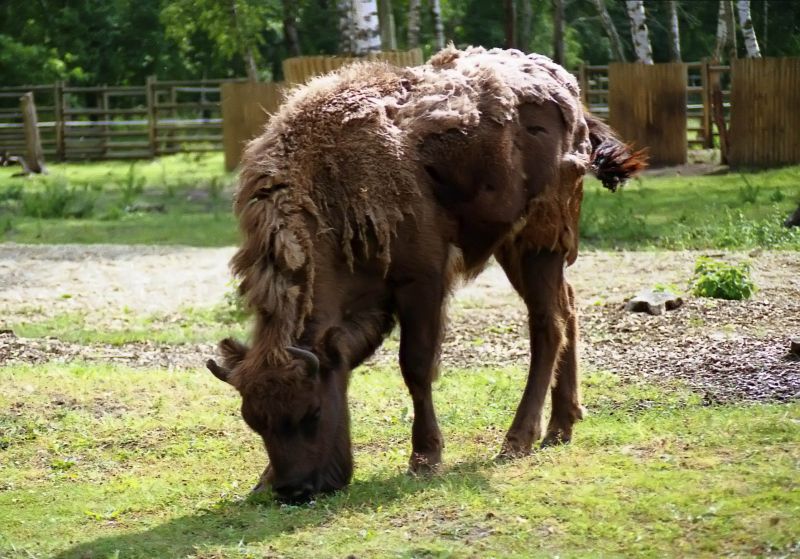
pixel 613 161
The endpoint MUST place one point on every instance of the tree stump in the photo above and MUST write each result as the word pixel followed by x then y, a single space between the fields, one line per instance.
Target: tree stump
pixel 33 143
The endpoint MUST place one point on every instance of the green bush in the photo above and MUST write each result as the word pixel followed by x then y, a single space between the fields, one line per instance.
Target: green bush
pixel 720 280
pixel 58 199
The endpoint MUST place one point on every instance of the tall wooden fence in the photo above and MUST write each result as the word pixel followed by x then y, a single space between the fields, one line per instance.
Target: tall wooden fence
pixel 245 109
pixel 647 106
pixel 765 112
pixel 299 69
pixel 117 122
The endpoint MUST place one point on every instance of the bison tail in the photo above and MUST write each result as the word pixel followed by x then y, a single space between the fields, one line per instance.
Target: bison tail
pixel 613 161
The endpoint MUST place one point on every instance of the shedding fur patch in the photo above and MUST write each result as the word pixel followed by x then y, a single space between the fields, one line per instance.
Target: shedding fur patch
pixel 339 159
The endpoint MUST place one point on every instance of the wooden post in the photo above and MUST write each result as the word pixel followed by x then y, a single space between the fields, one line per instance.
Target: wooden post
pixel 151 115
pixel 33 144
pixel 583 82
pixel 58 107
pixel 708 119
pixel 106 117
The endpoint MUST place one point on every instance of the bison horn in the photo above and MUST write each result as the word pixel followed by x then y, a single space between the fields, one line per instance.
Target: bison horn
pixel 220 372
pixel 306 356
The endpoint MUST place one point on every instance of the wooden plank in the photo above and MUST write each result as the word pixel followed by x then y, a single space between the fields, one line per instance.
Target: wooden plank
pixel 33 143
pixel 647 106
pixel 245 110
pixel 302 68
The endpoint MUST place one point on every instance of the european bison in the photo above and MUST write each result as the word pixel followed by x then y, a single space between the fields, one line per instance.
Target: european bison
pixel 370 192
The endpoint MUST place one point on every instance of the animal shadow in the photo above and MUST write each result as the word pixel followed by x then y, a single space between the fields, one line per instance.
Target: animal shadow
pixel 260 519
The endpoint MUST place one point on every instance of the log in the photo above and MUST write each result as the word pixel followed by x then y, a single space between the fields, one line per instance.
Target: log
pixel 33 143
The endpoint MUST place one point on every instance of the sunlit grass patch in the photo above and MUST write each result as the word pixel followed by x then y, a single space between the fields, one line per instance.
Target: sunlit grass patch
pixel 100 460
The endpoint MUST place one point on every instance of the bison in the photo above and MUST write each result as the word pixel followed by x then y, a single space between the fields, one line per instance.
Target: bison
pixel 368 195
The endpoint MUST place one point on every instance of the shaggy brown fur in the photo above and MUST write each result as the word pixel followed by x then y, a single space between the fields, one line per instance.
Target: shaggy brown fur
pixel 370 192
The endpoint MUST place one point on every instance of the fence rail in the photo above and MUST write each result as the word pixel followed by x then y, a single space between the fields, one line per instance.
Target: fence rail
pixel 117 122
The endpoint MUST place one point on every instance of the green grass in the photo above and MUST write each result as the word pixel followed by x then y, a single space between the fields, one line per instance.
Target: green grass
pixel 110 462
pixel 183 326
pixel 733 211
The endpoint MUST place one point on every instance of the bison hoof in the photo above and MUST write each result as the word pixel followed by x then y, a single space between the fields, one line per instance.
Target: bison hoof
pixel 424 463
pixel 556 438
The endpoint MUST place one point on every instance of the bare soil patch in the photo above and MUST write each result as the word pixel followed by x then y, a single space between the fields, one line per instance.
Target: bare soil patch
pixel 728 350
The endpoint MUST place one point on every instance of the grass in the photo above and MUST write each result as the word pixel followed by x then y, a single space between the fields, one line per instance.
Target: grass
pixel 733 211
pixel 184 326
pixel 100 461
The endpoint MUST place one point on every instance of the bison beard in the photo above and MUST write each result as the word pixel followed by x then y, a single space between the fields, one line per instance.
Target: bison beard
pixel 369 194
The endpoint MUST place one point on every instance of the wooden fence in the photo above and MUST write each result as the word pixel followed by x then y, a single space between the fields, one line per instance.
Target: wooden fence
pixel 701 77
pixel 647 107
pixel 245 110
pixel 117 122
pixel 765 119
pixel 298 70
pixel 246 106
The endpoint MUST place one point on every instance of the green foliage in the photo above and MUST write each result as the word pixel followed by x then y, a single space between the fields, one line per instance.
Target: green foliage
pixel 720 280
pixel 59 200
pixel 132 187
pixel 748 192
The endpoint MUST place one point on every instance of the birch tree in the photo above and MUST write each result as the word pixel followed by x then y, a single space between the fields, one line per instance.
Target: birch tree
pixel 386 20
pixel 438 25
pixel 674 32
pixel 359 26
pixel 748 29
pixel 413 23
pixel 639 31
pixel 617 52
pixel 726 32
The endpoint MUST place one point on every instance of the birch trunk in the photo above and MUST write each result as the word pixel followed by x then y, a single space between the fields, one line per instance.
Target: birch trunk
pixel 722 32
pixel 360 29
pixel 617 52
pixel 413 23
pixel 558 31
pixel 246 49
pixel 438 26
pixel 733 51
pixel 386 20
pixel 748 30
pixel 674 32
pixel 639 31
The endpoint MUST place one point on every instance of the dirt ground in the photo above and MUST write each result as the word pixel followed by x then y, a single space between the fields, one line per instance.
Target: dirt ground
pixel 728 350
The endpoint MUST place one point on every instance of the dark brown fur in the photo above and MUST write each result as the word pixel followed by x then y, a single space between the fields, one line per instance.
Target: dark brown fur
pixel 370 193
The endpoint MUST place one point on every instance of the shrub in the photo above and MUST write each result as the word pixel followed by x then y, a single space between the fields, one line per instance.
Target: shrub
pixel 58 199
pixel 720 280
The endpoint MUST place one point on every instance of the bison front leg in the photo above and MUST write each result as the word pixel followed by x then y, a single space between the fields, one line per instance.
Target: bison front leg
pixel 538 275
pixel 419 310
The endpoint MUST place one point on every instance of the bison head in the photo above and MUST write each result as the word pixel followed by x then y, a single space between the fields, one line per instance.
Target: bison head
pixel 300 411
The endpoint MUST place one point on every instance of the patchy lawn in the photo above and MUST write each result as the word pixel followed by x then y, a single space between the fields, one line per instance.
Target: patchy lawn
pixel 101 461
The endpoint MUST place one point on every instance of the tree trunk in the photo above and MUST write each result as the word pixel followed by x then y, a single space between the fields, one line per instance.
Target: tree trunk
pixel 360 30
pixel 617 52
pixel 290 27
pixel 33 143
pixel 413 23
pixel 558 31
pixel 748 30
pixel 639 31
pixel 510 24
pixel 246 49
pixel 674 32
pixel 764 32
pixel 525 21
pixel 438 25
pixel 722 32
pixel 733 51
pixel 386 20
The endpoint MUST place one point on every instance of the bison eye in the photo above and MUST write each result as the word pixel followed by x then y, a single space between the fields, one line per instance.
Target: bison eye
pixel 534 130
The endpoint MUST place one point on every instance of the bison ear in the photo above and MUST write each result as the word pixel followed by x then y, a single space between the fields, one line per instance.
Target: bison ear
pixel 220 372
pixel 233 352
